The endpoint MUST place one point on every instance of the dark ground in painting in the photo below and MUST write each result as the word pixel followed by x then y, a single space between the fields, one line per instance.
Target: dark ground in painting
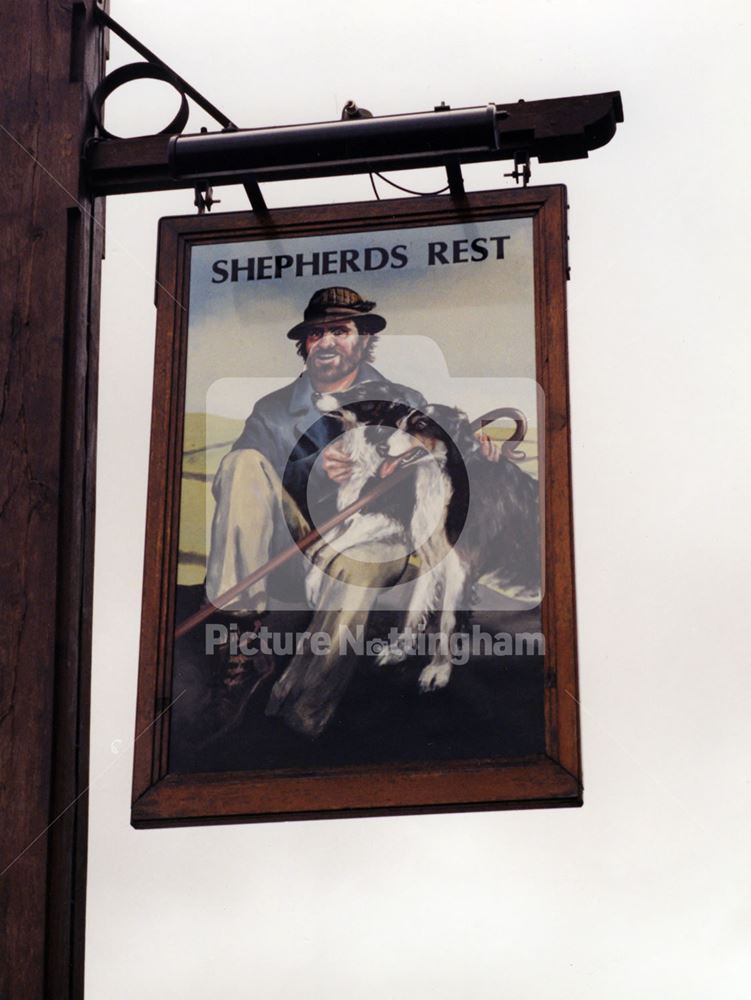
pixel 491 708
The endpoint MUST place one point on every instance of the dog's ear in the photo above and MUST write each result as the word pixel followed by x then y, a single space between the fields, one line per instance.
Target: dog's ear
pixel 390 413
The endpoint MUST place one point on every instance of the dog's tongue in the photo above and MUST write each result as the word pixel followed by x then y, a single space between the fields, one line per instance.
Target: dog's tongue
pixel 388 466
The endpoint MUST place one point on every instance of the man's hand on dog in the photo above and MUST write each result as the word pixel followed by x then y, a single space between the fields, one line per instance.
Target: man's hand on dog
pixel 490 449
pixel 337 464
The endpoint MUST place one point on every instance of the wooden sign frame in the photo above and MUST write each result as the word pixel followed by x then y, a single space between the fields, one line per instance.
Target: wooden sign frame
pixel 550 776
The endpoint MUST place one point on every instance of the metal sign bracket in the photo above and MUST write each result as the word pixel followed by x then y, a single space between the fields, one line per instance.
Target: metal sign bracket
pixel 156 69
pixel 359 143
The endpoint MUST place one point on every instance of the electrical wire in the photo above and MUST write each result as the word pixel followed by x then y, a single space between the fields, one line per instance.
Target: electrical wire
pixel 422 194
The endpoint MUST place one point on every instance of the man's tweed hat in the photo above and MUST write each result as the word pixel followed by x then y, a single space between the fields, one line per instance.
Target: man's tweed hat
pixel 330 304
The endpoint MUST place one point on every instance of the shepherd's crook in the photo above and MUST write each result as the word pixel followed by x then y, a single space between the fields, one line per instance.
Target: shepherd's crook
pixel 204 613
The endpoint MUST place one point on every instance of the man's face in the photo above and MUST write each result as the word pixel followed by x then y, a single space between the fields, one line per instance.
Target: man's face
pixel 334 349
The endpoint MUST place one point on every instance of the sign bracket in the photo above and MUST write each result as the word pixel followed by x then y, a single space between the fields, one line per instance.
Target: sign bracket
pixel 522 169
pixel 155 68
pixel 552 130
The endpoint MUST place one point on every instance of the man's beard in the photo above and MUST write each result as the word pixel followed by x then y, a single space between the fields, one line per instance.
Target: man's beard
pixel 324 367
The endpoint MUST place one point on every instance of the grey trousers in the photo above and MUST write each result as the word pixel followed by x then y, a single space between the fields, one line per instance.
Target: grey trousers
pixel 254 518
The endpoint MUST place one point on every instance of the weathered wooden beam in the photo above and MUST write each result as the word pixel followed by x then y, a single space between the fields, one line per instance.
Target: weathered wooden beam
pixel 559 129
pixel 51 242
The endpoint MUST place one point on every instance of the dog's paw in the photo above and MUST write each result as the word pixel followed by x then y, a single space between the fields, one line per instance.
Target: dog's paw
pixel 389 655
pixel 434 676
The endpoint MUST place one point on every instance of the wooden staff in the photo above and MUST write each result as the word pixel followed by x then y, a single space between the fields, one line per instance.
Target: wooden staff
pixel 205 612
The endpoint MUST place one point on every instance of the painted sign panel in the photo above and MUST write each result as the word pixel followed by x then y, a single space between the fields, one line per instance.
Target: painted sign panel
pixel 358 589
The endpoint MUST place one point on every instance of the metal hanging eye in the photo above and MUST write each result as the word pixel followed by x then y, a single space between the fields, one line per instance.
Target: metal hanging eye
pixel 138 71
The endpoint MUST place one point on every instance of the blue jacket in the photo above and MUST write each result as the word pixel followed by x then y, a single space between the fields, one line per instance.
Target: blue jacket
pixel 278 428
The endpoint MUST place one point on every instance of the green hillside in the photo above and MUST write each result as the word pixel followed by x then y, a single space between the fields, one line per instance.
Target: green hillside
pixel 206 441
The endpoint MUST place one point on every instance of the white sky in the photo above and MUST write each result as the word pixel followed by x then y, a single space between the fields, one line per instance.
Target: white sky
pixel 644 891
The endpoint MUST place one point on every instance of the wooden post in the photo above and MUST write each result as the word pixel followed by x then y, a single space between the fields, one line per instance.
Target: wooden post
pixel 51 243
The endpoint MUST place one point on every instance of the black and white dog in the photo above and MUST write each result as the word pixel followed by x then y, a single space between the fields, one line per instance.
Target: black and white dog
pixel 489 524
pixel 368 414
pixel 464 515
